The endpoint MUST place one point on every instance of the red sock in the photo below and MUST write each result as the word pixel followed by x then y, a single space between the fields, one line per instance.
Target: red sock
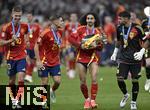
pixel 94 89
pixel 29 69
pixel 20 83
pixel 84 90
pixel 55 86
pixel 72 64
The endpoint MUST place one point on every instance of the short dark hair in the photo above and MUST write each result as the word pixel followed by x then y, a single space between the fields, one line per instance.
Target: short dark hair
pixel 125 14
pixel 83 19
pixel 30 12
pixel 54 17
pixel 17 9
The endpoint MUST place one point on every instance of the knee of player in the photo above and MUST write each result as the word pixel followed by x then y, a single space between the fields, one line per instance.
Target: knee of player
pixel 134 80
pixel 12 81
pixel 58 81
pixel 82 80
pixel 94 81
pixel 120 78
pixel 44 83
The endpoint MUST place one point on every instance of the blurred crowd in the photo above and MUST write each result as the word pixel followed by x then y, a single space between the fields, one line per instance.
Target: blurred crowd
pixel 107 11
pixel 64 7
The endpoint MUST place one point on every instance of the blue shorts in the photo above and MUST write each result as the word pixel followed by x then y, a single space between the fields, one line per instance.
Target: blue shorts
pixel 53 71
pixel 70 50
pixel 31 53
pixel 15 66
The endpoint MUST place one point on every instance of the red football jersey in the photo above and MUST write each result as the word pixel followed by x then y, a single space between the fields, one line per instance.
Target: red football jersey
pixel 16 51
pixel 35 30
pixel 110 31
pixel 69 28
pixel 51 48
pixel 1 47
pixel 85 56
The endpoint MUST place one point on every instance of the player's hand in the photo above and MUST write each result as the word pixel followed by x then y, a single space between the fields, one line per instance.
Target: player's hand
pixel 93 44
pixel 14 38
pixel 40 65
pixel 83 46
pixel 113 57
pixel 28 44
pixel 139 55
pixel 104 38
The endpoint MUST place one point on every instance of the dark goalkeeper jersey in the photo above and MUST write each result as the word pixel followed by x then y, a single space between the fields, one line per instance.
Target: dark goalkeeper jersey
pixel 129 44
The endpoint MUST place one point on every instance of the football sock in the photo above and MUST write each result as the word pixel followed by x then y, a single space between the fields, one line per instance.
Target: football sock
pixel 55 86
pixel 135 90
pixel 84 90
pixel 72 64
pixel 122 86
pixel 94 89
pixel 29 69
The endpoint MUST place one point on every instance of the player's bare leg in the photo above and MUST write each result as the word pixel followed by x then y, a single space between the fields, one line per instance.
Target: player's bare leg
pixel 44 80
pixel 83 86
pixel 93 69
pixel 21 86
pixel 57 81
pixel 71 65
pixel 12 85
pixel 12 80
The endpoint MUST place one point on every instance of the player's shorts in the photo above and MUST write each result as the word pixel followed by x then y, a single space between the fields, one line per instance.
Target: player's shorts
pixel 84 64
pixel 53 71
pixel 124 69
pixel 31 53
pixel 15 66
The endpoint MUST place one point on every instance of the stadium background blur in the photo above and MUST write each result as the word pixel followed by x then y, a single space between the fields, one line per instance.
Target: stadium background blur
pixel 42 10
pixel 46 8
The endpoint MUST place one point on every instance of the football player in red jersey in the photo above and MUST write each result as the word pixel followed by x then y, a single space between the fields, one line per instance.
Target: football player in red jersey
pixel 34 30
pixel 2 48
pixel 13 37
pixel 50 40
pixel 87 58
pixel 70 50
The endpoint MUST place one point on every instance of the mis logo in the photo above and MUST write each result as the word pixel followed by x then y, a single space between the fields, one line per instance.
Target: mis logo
pixel 28 97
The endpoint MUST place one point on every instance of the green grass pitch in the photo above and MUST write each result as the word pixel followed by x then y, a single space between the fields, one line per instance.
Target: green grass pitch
pixel 69 96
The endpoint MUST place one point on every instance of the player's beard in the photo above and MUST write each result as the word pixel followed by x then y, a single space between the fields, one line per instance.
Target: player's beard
pixel 122 23
pixel 90 24
pixel 16 23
